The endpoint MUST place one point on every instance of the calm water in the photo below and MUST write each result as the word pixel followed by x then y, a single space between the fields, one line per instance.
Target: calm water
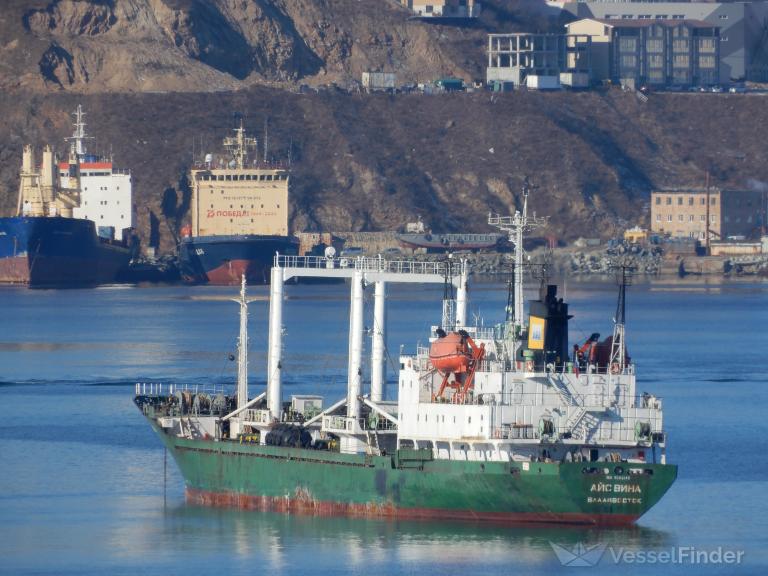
pixel 81 476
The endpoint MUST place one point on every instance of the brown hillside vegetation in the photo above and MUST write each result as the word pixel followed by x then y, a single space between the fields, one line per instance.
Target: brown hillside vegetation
pixel 373 162
pixel 214 45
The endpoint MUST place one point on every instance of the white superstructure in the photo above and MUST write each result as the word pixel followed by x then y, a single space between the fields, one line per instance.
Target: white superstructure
pixel 106 195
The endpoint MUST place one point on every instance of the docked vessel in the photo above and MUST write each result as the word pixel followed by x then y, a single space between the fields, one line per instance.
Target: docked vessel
pixel 239 217
pixel 418 236
pixel 73 222
pixel 498 424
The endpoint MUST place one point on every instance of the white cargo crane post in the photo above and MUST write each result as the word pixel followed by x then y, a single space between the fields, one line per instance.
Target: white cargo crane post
pixel 274 366
pixel 378 369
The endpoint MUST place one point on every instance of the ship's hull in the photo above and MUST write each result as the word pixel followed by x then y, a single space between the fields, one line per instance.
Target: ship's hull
pixel 328 483
pixel 445 242
pixel 222 260
pixel 57 252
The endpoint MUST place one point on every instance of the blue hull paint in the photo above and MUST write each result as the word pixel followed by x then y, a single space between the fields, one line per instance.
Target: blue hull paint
pixel 57 252
pixel 222 259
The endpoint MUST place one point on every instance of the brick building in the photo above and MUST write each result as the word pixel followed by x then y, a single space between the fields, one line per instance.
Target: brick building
pixel 731 213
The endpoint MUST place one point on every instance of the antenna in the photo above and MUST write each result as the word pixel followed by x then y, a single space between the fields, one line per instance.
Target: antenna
pixel 266 137
pixel 77 144
pixel 516 226
pixel 239 145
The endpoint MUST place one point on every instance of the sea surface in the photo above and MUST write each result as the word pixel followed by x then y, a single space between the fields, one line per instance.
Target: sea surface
pixel 84 488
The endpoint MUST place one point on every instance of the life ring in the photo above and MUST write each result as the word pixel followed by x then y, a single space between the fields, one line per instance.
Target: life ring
pixel 615 368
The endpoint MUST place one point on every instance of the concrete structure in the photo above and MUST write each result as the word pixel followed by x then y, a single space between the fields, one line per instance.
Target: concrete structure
pixel 537 60
pixel 443 8
pixel 731 213
pixel 743 28
pixel 379 81
pixel 653 52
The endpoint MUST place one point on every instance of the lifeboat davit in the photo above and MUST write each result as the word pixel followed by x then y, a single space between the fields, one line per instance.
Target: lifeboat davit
pixel 450 354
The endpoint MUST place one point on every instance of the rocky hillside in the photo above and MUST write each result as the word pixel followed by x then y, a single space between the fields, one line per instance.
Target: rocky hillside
pixel 374 162
pixel 214 45
pixel 157 75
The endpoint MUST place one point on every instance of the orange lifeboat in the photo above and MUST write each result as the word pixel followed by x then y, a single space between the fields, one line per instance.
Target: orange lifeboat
pixel 450 354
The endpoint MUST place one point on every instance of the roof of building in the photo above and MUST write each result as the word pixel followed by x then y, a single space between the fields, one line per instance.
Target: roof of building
pixel 644 23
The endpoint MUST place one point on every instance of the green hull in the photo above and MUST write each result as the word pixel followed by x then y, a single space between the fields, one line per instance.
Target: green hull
pixel 410 484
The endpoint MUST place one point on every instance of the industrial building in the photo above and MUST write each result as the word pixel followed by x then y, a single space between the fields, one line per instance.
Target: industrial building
pixel 443 8
pixel 743 53
pixel 652 52
pixel 726 214
pixel 539 61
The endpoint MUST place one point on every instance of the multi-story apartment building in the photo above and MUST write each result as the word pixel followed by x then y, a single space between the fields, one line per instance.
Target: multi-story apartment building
pixel 653 52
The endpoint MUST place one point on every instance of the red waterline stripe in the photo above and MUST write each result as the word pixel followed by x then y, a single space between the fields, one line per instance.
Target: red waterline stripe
pixel 308 506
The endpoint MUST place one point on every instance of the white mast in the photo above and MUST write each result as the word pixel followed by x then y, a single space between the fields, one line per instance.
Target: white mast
pixel 242 349
pixel 516 226
pixel 238 146
pixel 77 140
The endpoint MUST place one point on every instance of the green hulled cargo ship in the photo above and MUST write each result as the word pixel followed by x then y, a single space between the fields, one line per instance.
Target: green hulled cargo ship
pixel 500 424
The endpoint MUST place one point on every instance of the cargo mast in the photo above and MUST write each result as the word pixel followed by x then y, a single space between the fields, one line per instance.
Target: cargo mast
pixel 242 349
pixel 515 226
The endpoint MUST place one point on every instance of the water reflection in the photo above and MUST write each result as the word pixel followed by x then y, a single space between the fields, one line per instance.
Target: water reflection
pixel 356 542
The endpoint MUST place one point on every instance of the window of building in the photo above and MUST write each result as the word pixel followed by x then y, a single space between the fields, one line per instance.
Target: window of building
pixel 712 201
pixel 669 218
pixel 707 61
pixel 644 17
pixel 703 201
pixel 662 17
pixel 723 16
pixel 658 200
pixel 669 200
pixel 690 201
pixel 654 45
pixel 658 217
pixel 678 17
pixel 679 200
pixel 627 16
pixel 712 219
pixel 703 218
pixel 690 218
pixel 723 38
pixel 680 218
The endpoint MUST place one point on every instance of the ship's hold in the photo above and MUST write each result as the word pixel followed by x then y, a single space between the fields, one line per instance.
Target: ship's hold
pixel 289 436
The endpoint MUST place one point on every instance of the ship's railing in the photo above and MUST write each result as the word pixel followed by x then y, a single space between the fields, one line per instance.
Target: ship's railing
pixel 159 389
pixel 600 434
pixel 365 264
pixel 535 368
pixel 546 397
